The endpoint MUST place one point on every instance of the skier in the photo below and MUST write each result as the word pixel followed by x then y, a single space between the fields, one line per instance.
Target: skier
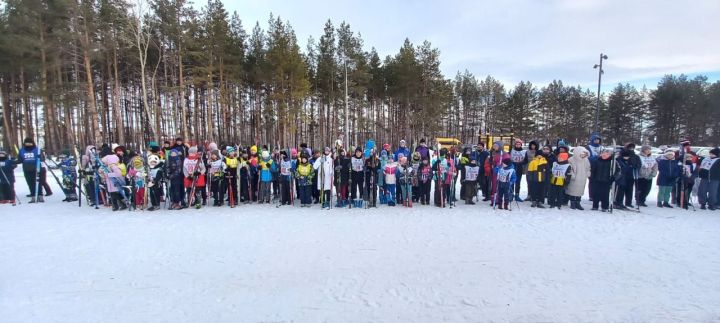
pixel 709 175
pixel 137 176
pixel 405 175
pixel 29 156
pixel 232 167
pixel 415 164
pixel 602 176
pixel 537 177
pixel 484 178
pixel 303 175
pixel 689 174
pixel 497 154
pixel 218 184
pixel 579 173
pixel 175 174
pixel 505 178
pixel 69 179
pixel 381 176
pixel 424 175
pixel 561 175
pixel 265 167
pixel 648 171
pixel 357 165
pixel 285 178
pixel 342 177
pixel 532 151
pixel 7 180
pixel 323 166
pixel 668 174
pixel 519 159
pixel 470 181
pixel 372 166
pixel 155 180
pixel 253 173
pixel 390 172
pixel 194 173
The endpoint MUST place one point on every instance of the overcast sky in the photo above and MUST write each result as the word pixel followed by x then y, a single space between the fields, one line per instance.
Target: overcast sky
pixel 515 40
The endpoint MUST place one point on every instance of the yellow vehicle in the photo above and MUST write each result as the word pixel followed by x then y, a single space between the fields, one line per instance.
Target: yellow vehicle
pixel 489 138
pixel 446 142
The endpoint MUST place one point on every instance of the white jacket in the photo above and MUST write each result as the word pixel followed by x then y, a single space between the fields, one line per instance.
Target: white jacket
pixel 324 170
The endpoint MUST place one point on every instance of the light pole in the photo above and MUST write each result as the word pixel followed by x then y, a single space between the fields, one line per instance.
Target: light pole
pixel 597 107
pixel 347 119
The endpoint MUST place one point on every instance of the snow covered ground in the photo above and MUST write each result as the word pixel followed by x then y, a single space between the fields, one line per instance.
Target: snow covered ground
pixel 61 263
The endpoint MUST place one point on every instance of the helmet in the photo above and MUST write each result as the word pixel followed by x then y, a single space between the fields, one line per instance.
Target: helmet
pixel 153 160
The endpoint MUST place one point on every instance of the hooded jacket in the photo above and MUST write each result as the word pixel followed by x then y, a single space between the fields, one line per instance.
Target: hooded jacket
pixel 580 171
pixel 593 149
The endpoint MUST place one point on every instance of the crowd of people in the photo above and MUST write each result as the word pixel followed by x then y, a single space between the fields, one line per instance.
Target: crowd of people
pixel 177 176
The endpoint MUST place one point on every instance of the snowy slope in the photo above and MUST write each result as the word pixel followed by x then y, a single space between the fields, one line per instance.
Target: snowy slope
pixel 60 263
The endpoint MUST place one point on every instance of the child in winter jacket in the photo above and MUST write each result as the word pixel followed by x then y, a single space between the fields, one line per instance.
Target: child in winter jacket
pixel 304 176
pixel 506 179
pixel 285 179
pixel 709 180
pixel 69 177
pixel 424 175
pixel 561 176
pixel 265 167
pixel 648 171
pixel 155 181
pixel 390 172
pixel 372 166
pixel 668 173
pixel 324 167
pixel 470 182
pixel 136 175
pixel 625 182
pixel 194 174
pixel 114 182
pixel 175 173
pixel 689 173
pixel 405 176
pixel 342 178
pixel 7 179
pixel 537 177
pixel 357 177
pixel 218 184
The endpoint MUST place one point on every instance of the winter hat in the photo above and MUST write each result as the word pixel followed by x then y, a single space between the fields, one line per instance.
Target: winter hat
pixel 402 141
pixel 265 154
pixel 507 161
pixel 358 149
pixel 253 149
pixel 327 150
pixel 137 163
pixel 119 149
pixel 685 143
pixel 283 153
pixel 669 154
pixel 293 152
pixel 154 149
pixel 400 156
pixel 519 141
pixel 645 147
pixel 630 145
pixel 193 150
pixel 179 139
pixel 383 154
pixel 416 156
pixel 110 159
pixel 715 151
pixel 386 146
pixel 230 149
pixel 422 141
pixel 443 151
pixel 216 153
pixel 533 144
pixel 153 160
pixel 3 153
pixel 402 159
pixel 29 140
pixel 563 156
pixel 212 146
pixel 625 153
pixel 499 144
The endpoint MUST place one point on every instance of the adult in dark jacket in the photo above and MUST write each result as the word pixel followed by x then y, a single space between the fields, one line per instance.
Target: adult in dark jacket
pixel 602 175
pixel 530 154
pixel 423 150
pixel 625 181
pixel 29 156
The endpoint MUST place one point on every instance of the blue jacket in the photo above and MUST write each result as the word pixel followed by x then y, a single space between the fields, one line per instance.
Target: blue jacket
pixel 668 172
pixel 29 158
pixel 402 150
pixel 7 168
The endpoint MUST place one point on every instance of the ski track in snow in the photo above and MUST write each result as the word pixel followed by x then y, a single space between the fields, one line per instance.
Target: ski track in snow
pixel 257 263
